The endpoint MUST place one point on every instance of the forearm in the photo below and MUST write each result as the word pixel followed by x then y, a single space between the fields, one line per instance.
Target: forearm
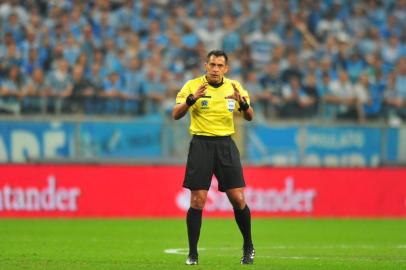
pixel 248 114
pixel 179 110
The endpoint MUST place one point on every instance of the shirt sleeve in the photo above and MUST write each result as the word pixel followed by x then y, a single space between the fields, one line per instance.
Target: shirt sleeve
pixel 183 93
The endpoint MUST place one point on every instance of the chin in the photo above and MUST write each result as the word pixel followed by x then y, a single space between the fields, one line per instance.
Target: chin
pixel 215 80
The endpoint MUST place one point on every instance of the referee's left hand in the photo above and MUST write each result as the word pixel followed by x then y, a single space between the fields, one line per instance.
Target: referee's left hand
pixel 236 95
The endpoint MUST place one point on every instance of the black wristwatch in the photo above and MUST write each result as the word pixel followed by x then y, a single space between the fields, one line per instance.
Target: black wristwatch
pixel 190 100
pixel 244 106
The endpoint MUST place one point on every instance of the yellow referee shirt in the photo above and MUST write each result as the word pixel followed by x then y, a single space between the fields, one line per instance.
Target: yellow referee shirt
pixel 212 114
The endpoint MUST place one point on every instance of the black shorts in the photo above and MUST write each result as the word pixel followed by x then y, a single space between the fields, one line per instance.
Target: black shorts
pixel 213 155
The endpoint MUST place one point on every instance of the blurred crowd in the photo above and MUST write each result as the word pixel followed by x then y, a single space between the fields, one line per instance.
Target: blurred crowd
pixel 331 59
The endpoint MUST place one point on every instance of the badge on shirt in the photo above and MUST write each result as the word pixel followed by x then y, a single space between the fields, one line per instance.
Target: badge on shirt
pixel 205 104
pixel 230 105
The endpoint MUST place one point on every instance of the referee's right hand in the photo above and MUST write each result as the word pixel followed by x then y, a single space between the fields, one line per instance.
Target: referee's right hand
pixel 200 92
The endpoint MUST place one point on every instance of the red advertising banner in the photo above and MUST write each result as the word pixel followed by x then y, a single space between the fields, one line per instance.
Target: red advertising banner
pixel 155 191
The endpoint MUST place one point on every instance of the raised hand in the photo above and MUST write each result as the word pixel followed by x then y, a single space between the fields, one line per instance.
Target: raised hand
pixel 236 95
pixel 200 92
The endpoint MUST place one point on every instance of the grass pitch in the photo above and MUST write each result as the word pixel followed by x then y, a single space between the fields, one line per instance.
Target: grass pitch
pixel 161 244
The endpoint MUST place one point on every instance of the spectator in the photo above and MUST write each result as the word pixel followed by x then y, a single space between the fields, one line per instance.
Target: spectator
pixel 13 7
pixel 33 95
pixel 113 88
pixel 83 92
pixel 11 89
pixel 154 90
pixel 354 65
pixel 133 92
pixel 324 88
pixel 12 85
pixel 262 42
pixel 31 62
pixel 298 102
pixel 59 87
pixel 292 68
pixel 71 50
pixel 252 85
pixel 11 57
pixel 171 38
pixel 392 50
pixel 329 25
pixel 343 95
pixel 231 41
pixel 271 84
pixel 394 103
pixel 96 76
pixel 15 27
pixel 395 94
pixel 310 99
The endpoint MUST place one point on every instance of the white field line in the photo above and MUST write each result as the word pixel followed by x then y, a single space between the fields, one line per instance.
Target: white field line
pixel 184 251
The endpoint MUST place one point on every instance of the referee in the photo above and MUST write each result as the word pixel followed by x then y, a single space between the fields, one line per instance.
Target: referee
pixel 212 100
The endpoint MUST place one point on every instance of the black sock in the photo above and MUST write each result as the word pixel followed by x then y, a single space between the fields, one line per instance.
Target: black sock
pixel 193 222
pixel 243 219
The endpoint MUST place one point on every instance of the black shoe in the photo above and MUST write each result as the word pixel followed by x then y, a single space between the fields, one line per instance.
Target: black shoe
pixel 192 260
pixel 248 255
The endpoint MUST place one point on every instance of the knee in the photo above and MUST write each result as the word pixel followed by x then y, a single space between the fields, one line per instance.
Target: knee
pixel 197 201
pixel 237 201
pixel 238 204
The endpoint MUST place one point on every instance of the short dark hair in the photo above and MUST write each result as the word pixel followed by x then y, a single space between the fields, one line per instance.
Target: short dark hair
pixel 217 53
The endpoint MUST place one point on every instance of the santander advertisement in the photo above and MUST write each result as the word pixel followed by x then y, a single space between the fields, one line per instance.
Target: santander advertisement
pixel 156 191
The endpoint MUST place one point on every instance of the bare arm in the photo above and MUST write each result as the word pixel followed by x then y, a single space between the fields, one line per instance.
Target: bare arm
pixel 179 110
pixel 308 36
pixel 248 114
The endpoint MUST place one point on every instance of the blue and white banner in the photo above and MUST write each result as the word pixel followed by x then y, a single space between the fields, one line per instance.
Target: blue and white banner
pixel 120 140
pixel 342 146
pixel 273 145
pixel 284 145
pixel 25 141
pixel 394 146
pixel 322 146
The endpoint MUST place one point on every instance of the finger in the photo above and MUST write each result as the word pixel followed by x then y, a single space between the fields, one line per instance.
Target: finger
pixel 236 92
pixel 201 89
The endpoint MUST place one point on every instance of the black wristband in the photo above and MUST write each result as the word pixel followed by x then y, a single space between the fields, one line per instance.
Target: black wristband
pixel 190 100
pixel 244 106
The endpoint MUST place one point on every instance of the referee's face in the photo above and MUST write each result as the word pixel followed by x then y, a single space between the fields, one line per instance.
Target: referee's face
pixel 216 67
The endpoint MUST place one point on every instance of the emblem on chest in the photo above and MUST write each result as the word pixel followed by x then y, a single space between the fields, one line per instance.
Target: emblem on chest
pixel 230 105
pixel 205 104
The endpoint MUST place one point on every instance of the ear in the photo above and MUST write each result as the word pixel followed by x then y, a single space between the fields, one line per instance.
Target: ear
pixel 226 69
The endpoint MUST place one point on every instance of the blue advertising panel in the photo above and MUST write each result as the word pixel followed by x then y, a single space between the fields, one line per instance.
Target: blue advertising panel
pixel 25 141
pixel 273 145
pixel 343 146
pixel 392 145
pixel 137 139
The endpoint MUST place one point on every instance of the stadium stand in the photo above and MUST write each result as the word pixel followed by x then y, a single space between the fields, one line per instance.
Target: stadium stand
pixel 331 59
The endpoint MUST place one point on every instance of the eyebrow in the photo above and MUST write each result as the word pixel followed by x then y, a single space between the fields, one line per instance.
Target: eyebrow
pixel 214 64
